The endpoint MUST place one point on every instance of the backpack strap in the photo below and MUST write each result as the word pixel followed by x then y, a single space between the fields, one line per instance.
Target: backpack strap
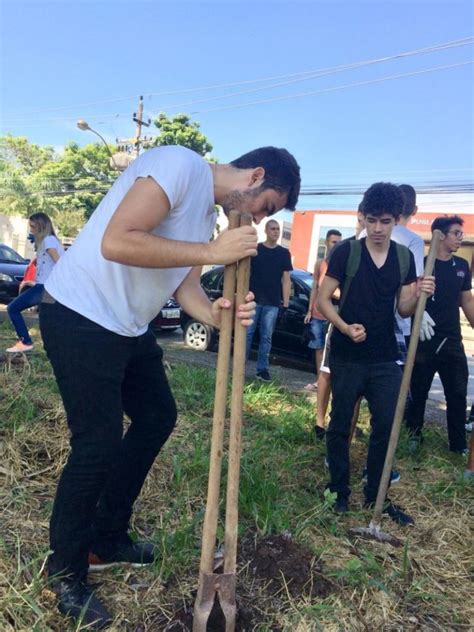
pixel 403 255
pixel 403 261
pixel 352 266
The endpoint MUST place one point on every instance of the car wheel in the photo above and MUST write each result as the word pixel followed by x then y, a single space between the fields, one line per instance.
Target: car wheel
pixel 198 336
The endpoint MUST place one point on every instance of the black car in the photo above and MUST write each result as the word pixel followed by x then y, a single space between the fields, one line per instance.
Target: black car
pixel 12 270
pixel 169 317
pixel 289 336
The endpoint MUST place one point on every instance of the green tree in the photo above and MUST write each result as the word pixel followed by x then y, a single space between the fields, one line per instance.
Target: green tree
pixel 22 155
pixel 67 186
pixel 180 130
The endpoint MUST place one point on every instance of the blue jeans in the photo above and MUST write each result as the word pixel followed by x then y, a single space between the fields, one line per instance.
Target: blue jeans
pixel 380 384
pixel 318 333
pixel 265 319
pixel 102 375
pixel 28 298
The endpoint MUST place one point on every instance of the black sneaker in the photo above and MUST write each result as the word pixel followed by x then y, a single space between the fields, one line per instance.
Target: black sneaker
pixel 341 505
pixel 127 552
pixel 77 600
pixel 395 513
pixel 264 376
pixel 320 433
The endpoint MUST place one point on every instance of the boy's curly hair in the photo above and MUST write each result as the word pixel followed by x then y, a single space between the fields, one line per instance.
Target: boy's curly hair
pixel 381 198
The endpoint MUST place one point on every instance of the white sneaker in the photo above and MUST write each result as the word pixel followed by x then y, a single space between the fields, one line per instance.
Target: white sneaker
pixel 19 347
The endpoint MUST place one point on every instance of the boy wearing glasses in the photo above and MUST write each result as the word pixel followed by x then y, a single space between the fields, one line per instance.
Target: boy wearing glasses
pixel 444 352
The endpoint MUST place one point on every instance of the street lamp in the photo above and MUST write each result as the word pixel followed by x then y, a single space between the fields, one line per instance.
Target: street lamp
pixel 85 127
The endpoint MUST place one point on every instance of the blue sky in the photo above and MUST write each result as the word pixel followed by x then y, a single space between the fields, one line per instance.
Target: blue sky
pixel 415 129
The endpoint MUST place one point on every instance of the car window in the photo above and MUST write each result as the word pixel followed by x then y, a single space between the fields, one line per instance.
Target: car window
pixel 8 254
pixel 293 289
pixel 213 280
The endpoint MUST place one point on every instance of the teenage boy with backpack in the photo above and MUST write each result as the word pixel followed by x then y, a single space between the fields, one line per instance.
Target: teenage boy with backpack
pixel 372 273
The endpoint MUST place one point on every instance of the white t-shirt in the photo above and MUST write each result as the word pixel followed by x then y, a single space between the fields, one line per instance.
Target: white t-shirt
pixel 121 298
pixel 406 237
pixel 44 262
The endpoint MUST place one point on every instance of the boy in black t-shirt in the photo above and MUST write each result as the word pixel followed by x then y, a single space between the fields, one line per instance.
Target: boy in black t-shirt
pixel 363 346
pixel 444 352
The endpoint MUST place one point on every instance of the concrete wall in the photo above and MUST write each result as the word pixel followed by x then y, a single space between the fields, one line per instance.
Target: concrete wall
pixel 14 233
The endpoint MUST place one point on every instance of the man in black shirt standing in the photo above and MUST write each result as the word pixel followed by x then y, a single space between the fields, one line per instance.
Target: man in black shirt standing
pixel 363 346
pixel 270 282
pixel 444 352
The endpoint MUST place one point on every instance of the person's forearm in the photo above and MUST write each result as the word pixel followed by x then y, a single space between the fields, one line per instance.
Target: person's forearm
pixel 312 298
pixel 407 306
pixel 194 301
pixel 329 312
pixel 469 312
pixel 144 250
pixel 286 287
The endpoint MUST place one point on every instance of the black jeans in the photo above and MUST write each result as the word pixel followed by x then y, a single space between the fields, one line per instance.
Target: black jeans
pixel 380 384
pixel 102 375
pixel 449 360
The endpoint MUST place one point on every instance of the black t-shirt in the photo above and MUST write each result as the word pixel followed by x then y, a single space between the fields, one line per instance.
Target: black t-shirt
pixel 452 277
pixel 369 302
pixel 266 272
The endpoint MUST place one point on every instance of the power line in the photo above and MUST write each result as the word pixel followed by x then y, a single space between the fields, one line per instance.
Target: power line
pixel 312 74
pixel 321 73
pixel 299 95
pixel 333 89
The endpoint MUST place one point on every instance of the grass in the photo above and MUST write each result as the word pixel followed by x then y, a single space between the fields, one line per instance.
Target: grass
pixel 422 586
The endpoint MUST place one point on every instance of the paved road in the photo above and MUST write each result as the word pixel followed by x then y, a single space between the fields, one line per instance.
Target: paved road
pixel 283 370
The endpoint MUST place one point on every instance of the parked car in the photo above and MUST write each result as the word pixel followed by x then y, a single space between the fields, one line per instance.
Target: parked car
pixel 289 336
pixel 169 317
pixel 12 270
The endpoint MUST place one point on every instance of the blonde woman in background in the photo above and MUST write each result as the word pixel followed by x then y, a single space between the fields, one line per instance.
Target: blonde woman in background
pixel 48 250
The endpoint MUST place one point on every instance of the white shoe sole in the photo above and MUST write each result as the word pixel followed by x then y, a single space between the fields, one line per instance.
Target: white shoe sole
pixel 97 568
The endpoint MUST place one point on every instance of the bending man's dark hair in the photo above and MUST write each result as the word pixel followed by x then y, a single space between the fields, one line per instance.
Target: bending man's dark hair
pixel 381 198
pixel 332 232
pixel 409 194
pixel 282 172
pixel 445 222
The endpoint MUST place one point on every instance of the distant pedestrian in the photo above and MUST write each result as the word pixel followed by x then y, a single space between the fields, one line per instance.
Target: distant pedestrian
pixel 270 282
pixel 443 352
pixel 316 321
pixel 48 250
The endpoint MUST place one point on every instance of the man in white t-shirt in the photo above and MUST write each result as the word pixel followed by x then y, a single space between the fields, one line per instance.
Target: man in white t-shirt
pixel 401 234
pixel 146 241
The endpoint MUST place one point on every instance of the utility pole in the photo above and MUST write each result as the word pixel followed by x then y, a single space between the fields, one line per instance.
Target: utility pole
pixel 132 145
pixel 138 118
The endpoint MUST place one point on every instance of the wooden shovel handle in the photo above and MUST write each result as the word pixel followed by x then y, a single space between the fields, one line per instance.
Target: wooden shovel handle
pixel 237 398
pixel 220 402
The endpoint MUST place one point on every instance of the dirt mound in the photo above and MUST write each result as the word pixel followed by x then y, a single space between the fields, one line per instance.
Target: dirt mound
pixel 282 562
pixel 276 563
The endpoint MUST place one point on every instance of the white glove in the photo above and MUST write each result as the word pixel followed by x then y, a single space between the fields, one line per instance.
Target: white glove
pixel 426 329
